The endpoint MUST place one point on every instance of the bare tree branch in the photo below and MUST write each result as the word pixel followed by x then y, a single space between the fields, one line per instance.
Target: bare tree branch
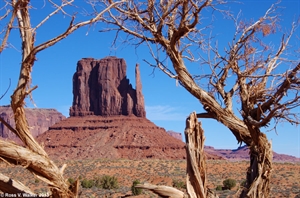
pixel 72 28
pixel 8 29
pixel 59 8
pixel 8 125
pixel 11 186
pixel 6 90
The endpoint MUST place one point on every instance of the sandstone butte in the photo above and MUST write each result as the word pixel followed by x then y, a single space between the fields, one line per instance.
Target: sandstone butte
pixel 108 118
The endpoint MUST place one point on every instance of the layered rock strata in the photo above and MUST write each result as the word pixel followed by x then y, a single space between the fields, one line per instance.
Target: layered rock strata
pixel 110 137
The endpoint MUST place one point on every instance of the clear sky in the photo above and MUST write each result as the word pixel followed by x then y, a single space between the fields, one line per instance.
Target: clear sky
pixel 167 105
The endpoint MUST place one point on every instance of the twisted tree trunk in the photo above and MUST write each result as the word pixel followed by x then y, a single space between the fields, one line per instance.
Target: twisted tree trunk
pixel 259 171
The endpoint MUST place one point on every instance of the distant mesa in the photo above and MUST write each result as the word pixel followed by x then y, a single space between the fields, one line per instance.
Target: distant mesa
pixel 174 134
pixel 39 120
pixel 242 153
pixel 100 87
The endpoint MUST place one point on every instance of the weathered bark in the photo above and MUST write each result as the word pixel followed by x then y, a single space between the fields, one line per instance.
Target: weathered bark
pixel 22 90
pixel 164 191
pixel 259 171
pixel 42 167
pixel 196 163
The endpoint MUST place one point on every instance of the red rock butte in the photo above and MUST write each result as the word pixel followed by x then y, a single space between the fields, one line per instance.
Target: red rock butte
pixel 100 87
pixel 108 118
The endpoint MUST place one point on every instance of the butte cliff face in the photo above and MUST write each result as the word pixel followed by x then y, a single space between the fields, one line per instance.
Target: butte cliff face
pixel 100 87
pixel 39 120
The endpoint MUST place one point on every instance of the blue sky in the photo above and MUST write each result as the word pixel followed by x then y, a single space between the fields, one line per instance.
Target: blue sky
pixel 167 104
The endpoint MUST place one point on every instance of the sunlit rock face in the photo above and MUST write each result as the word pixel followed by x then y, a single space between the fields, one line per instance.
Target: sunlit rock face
pixel 101 87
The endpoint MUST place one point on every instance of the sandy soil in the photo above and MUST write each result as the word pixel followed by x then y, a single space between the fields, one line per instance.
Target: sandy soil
pixel 285 181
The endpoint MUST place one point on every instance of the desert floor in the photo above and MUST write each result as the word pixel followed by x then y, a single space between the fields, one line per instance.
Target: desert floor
pixel 285 180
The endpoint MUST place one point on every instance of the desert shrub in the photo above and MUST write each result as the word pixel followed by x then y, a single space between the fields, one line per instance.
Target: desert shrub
pixel 229 183
pixel 178 184
pixel 243 183
pixel 71 180
pixel 87 183
pixel 107 182
pixel 219 187
pixel 134 190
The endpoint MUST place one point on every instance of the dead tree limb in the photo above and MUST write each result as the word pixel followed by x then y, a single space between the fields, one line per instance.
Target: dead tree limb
pixel 42 167
pixel 13 186
pixel 6 90
pixel 164 191
pixel 196 162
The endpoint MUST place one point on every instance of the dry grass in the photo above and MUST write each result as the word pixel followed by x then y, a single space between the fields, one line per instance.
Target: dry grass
pixel 284 183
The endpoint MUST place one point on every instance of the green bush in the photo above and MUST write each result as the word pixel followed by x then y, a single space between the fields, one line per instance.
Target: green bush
pixel 107 182
pixel 243 183
pixel 87 183
pixel 229 183
pixel 219 187
pixel 71 180
pixel 178 184
pixel 134 190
